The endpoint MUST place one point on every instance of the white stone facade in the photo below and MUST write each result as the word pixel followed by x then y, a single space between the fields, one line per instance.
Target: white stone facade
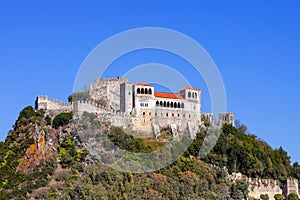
pixel 146 108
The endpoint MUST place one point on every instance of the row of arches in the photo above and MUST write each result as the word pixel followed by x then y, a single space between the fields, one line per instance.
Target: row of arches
pixel 144 91
pixel 192 95
pixel 169 104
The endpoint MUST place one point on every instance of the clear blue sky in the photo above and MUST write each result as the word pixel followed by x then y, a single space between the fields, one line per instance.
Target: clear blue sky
pixel 255 44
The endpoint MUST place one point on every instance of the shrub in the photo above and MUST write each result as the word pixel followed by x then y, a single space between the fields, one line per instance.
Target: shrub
pixel 62 119
pixel 279 197
pixel 264 197
pixel 292 196
pixel 48 120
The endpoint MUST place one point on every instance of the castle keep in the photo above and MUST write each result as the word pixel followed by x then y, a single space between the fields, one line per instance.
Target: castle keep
pixel 139 106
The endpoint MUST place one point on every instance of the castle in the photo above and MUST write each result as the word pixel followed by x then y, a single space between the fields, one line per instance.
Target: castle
pixel 140 107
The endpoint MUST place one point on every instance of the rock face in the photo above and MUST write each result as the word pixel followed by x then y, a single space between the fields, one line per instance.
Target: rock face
pixel 46 140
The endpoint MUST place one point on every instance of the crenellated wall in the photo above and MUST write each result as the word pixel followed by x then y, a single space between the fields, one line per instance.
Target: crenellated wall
pixel 264 186
pixel 46 103
pixel 270 187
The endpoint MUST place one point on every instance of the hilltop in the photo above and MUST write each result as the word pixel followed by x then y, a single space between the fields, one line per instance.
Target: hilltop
pixel 44 158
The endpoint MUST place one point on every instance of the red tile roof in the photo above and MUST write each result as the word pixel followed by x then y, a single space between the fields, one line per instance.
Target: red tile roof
pixel 143 84
pixel 167 95
pixel 189 88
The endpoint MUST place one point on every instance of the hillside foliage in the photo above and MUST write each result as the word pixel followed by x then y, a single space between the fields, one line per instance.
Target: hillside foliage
pixel 69 173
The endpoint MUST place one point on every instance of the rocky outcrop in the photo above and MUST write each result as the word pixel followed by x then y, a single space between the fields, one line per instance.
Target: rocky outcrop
pixel 46 141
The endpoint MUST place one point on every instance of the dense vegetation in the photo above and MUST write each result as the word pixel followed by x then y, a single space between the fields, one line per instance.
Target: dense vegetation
pixel 188 177
pixel 247 154
pixel 62 119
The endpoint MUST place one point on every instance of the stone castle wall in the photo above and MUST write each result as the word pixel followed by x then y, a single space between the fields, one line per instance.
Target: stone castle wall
pixel 270 187
pixel 108 89
pixel 264 186
pixel 46 103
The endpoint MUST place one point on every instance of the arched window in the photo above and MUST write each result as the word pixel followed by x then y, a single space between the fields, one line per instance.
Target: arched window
pixel 165 104
pixel 172 104
pixel 193 95
pixel 196 95
pixel 138 91
pixel 189 94
pixel 175 105
pixel 150 91
pixel 142 91
pixel 182 105
pixel 146 91
pixel 178 105
pixel 157 103
pixel 161 103
pixel 168 104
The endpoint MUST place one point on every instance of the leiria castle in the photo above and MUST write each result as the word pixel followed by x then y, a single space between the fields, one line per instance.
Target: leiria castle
pixel 139 107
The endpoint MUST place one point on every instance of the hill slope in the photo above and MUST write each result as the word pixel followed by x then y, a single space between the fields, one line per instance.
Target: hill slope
pixel 44 158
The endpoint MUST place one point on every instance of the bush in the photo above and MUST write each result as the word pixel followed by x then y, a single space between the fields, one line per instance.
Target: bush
pixel 27 112
pixel 62 119
pixel 292 196
pixel 279 197
pixel 264 197
pixel 48 120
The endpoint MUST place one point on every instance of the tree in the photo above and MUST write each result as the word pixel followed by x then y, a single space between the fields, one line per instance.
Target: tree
pixel 27 112
pixel 62 119
pixel 77 96
pixel 296 170
pixel 48 120
pixel 240 127
pixel 240 190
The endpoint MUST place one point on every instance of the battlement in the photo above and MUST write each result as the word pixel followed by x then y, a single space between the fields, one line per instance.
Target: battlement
pixel 104 81
pixel 264 186
pixel 46 103
pixel 226 118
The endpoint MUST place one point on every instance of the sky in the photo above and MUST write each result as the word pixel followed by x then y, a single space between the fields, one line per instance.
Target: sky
pixel 255 45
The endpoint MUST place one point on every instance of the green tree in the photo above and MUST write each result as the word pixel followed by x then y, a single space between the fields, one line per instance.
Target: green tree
pixel 27 112
pixel 240 190
pixel 62 119
pixel 48 120
pixel 77 96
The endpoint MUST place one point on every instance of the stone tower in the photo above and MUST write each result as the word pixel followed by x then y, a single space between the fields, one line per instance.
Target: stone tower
pixel 226 118
pixel 291 186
